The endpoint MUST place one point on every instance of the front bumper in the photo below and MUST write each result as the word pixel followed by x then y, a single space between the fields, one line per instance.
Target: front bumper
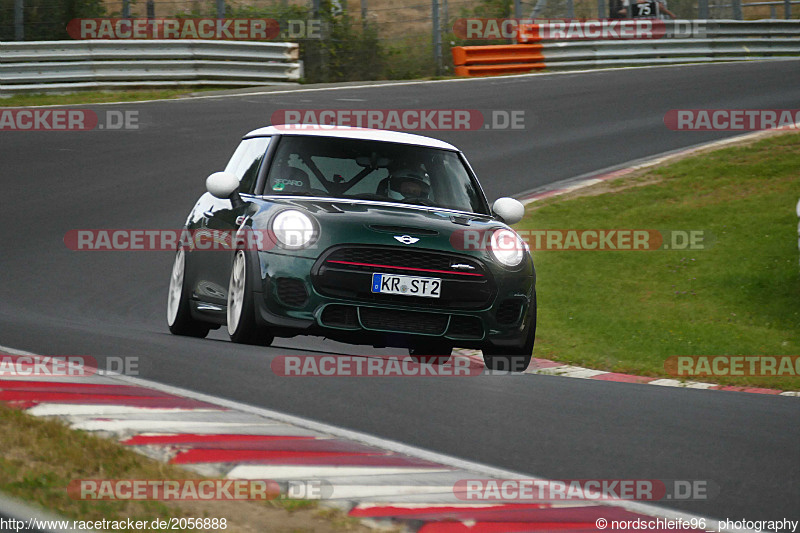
pixel 290 304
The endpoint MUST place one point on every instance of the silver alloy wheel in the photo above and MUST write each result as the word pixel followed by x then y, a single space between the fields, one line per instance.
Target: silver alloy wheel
pixel 175 287
pixel 236 289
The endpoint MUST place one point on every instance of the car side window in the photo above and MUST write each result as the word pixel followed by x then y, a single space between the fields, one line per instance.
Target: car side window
pixel 246 160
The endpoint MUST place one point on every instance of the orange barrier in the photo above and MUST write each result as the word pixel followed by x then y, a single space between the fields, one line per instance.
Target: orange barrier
pixel 496 70
pixel 497 59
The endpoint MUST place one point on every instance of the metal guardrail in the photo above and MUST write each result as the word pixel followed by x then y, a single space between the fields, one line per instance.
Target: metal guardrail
pixel 720 41
pixel 42 66
pixel 606 53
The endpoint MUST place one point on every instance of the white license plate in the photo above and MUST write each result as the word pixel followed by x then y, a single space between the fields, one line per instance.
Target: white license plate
pixel 406 285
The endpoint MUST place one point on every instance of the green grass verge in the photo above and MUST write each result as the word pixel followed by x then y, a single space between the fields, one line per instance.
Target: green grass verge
pixel 628 311
pixel 41 456
pixel 98 97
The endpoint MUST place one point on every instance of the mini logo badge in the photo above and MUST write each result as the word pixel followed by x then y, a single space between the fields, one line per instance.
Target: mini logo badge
pixel 462 266
pixel 406 239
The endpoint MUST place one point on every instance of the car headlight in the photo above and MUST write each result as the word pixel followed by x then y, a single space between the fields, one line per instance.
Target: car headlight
pixel 294 229
pixel 507 247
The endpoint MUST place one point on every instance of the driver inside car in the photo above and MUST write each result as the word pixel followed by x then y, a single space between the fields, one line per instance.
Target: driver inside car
pixel 407 184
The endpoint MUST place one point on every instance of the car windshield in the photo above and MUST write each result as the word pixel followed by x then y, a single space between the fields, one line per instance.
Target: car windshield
pixel 373 170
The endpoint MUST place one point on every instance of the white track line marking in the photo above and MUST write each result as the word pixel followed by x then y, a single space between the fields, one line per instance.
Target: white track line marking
pixel 67 409
pixel 677 383
pixel 178 426
pixel 568 371
pixel 278 472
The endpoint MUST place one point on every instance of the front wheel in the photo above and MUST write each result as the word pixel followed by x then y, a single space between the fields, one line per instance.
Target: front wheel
pixel 506 359
pixel 179 317
pixel 513 358
pixel 242 326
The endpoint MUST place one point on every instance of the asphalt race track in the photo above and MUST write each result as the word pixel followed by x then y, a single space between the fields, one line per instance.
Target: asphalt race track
pixel 59 302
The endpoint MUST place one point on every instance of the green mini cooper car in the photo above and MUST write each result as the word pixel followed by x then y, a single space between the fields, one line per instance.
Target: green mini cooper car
pixel 358 235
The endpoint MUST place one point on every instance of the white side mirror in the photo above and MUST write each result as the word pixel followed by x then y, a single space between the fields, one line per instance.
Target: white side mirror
pixel 510 210
pixel 222 184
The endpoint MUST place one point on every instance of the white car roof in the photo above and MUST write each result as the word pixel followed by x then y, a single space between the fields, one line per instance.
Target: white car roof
pixel 348 132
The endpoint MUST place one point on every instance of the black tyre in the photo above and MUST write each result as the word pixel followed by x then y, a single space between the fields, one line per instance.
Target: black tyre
pixel 513 358
pixel 179 317
pixel 242 326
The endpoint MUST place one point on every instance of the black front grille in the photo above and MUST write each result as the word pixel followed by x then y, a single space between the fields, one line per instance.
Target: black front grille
pixel 339 316
pixel 291 291
pixel 406 261
pixel 346 272
pixel 508 311
pixel 404 321
pixel 465 327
